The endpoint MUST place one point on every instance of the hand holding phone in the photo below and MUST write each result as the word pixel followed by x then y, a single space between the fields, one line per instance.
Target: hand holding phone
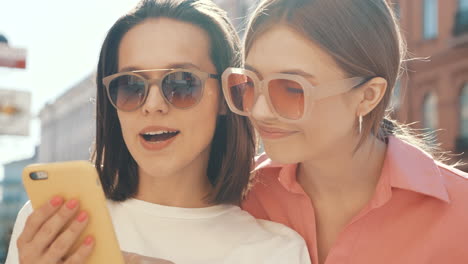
pixel 66 226
pixel 46 239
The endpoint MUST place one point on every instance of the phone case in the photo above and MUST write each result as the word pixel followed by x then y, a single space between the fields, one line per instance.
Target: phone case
pixel 77 179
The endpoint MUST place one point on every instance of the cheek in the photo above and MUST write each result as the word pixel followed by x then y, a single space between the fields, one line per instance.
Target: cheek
pixel 127 125
pixel 211 100
pixel 203 116
pixel 329 120
pixel 123 122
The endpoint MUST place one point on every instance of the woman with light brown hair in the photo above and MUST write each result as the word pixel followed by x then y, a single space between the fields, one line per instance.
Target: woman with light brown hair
pixel 359 187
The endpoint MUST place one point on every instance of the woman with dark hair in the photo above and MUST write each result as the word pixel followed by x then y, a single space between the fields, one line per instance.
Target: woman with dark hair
pixel 172 159
pixel 358 187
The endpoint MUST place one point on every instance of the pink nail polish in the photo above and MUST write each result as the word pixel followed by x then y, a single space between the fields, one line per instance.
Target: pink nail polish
pixel 72 204
pixel 88 241
pixel 82 217
pixel 56 201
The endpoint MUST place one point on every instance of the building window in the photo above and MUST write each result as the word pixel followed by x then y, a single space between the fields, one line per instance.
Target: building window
pixel 430 120
pixel 463 5
pixel 430 16
pixel 464 112
pixel 461 18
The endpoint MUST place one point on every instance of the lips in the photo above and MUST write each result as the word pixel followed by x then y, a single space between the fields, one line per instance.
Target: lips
pixel 157 138
pixel 273 133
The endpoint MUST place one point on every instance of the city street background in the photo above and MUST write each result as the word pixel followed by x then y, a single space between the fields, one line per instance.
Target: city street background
pixel 62 41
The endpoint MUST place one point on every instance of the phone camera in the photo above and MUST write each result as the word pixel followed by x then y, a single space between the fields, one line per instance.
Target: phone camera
pixel 38 175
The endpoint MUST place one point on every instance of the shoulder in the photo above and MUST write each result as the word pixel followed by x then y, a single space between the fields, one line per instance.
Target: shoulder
pixel 289 245
pixel 266 172
pixel 273 242
pixel 266 190
pixel 114 205
pixel 272 180
pixel 263 191
pixel 120 212
pixel 23 215
pixel 263 229
pixel 25 211
pixel 12 257
pixel 281 231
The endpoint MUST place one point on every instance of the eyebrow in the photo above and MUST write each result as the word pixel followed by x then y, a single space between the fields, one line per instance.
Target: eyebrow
pixel 183 65
pixel 299 72
pixel 250 68
pixel 290 71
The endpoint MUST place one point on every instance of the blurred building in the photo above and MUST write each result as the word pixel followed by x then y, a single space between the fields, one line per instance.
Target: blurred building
pixel 434 92
pixel 67 133
pixel 68 124
pixel 13 198
pixel 238 11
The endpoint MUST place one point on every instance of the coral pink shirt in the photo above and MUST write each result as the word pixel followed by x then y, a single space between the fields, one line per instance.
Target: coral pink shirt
pixel 418 214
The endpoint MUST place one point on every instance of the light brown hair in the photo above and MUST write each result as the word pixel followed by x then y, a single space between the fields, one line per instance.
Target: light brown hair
pixel 362 36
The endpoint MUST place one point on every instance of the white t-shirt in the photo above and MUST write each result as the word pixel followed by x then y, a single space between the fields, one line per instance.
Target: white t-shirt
pixel 212 235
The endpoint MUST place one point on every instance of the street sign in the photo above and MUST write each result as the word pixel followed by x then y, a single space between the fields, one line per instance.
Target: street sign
pixel 15 108
pixel 12 57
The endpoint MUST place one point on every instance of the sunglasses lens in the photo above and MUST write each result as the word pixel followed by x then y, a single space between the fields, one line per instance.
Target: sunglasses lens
pixel 241 89
pixel 127 92
pixel 287 97
pixel 182 89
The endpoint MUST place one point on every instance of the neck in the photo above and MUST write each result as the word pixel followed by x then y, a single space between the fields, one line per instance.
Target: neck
pixel 343 176
pixel 186 188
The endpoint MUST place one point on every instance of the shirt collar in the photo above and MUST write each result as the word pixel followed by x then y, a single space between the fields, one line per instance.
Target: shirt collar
pixel 286 175
pixel 263 162
pixel 405 167
pixel 410 168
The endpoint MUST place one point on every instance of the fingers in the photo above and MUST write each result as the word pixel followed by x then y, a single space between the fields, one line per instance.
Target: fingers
pixel 50 229
pixel 67 238
pixel 45 238
pixel 82 253
pixel 37 219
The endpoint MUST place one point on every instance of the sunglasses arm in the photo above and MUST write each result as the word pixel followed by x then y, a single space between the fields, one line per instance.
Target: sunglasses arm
pixel 336 88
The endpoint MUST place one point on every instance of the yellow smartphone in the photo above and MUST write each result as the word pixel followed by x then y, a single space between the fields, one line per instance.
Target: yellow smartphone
pixel 79 180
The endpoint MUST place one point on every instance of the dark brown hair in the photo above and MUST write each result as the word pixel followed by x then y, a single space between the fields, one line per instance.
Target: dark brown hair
pixel 362 36
pixel 233 145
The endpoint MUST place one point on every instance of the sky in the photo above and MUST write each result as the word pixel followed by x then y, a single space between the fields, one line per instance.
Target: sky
pixel 62 39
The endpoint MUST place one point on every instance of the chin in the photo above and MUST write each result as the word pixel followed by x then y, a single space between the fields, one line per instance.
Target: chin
pixel 154 169
pixel 283 154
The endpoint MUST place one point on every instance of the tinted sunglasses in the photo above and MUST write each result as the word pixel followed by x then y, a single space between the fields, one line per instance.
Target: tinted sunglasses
pixel 289 96
pixel 181 88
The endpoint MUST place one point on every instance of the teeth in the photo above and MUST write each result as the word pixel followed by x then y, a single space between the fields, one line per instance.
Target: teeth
pixel 158 133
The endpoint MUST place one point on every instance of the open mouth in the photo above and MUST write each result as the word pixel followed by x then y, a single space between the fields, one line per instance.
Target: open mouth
pixel 159 136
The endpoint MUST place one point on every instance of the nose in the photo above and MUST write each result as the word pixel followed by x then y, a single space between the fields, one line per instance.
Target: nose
pixel 155 102
pixel 261 110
